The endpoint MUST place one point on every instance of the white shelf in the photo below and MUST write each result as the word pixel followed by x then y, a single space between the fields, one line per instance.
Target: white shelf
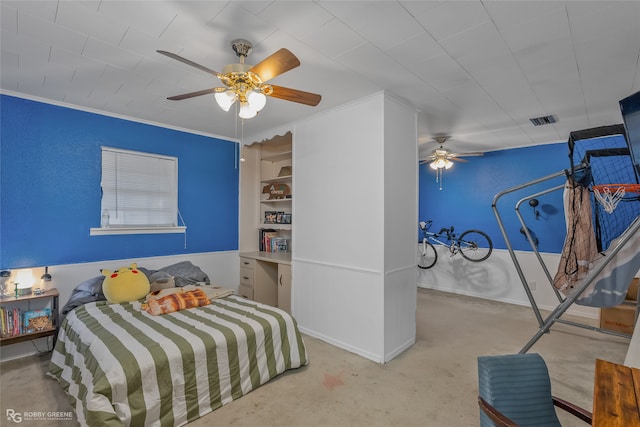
pixel 277 179
pixel 276 200
pixel 275 226
pixel 277 157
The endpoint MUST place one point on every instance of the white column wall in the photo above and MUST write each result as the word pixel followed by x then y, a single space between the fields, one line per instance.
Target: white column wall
pixel 400 218
pixel 338 174
pixel 338 227
pixel 344 289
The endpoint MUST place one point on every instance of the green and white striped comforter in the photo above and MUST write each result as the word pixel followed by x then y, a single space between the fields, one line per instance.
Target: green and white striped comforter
pixel 121 366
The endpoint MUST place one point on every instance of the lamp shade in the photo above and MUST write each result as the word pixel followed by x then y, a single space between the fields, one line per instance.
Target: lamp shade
pixel 225 99
pixel 25 279
pixel 246 112
pixel 441 163
pixel 256 100
pixel 438 163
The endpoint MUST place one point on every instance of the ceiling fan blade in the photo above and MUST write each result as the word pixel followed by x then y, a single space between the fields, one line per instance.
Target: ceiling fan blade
pixel 467 154
pixel 186 61
pixel 295 95
pixel 193 94
pixel 276 64
pixel 455 159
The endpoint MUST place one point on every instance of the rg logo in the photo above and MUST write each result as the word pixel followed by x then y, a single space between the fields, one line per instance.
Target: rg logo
pixel 14 416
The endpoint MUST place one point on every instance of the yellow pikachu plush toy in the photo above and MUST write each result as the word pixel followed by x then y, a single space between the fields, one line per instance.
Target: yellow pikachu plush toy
pixel 126 284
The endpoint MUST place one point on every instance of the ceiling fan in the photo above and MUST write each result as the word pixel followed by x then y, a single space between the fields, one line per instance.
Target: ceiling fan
pixel 443 158
pixel 247 84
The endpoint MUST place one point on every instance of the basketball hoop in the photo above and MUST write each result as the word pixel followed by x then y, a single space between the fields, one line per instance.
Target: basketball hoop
pixel 609 195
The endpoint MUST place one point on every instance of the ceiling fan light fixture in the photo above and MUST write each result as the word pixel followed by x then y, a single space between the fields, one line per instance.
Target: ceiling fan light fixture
pixel 246 112
pixel 441 163
pixel 257 100
pixel 225 99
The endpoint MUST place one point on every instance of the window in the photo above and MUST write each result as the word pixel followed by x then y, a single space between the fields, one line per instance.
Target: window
pixel 139 193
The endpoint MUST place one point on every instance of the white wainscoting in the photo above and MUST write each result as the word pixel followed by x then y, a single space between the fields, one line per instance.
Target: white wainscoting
pixel 340 305
pixel 497 279
pixel 399 311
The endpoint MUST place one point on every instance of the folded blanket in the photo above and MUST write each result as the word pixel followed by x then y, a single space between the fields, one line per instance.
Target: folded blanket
pixel 170 300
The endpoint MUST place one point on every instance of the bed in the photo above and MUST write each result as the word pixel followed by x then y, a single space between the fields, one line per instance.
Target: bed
pixel 122 366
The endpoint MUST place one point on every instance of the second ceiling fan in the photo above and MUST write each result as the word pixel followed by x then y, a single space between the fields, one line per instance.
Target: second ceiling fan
pixel 443 158
pixel 247 84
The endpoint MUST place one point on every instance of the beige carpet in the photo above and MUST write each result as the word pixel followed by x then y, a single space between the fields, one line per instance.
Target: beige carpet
pixel 432 384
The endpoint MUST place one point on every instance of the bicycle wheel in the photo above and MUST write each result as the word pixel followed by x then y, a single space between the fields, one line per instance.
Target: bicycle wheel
pixel 427 255
pixel 475 245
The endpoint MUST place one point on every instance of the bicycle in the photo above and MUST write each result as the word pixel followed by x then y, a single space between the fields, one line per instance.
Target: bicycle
pixel 473 245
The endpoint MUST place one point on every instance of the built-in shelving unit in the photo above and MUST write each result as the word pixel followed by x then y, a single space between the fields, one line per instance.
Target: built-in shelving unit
pixel 266 203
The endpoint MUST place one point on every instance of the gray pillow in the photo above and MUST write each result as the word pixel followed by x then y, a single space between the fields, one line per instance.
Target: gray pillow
pixel 88 291
pixel 185 273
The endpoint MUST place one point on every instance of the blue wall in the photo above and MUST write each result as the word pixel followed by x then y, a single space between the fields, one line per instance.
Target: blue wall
pixel 50 186
pixel 469 189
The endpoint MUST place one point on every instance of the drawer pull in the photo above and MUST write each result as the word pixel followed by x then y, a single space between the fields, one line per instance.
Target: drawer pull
pixel 245 277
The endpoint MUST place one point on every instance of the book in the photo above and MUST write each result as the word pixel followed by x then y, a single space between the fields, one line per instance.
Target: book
pixel 37 320
pixel 265 239
pixel 17 327
pixel 3 315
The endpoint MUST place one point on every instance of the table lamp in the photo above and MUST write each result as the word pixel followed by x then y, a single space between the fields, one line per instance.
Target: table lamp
pixel 24 282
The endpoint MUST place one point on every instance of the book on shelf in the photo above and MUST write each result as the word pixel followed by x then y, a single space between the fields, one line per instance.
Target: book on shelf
pixel 265 235
pixel 37 320
pixel 271 241
pixel 12 323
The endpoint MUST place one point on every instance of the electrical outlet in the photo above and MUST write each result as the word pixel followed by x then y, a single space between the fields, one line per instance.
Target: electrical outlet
pixel 532 285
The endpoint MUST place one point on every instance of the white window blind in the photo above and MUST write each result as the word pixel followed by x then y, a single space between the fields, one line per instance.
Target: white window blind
pixel 139 189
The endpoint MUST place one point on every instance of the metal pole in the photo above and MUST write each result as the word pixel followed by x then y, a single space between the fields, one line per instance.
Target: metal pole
pixel 530 239
pixel 516 263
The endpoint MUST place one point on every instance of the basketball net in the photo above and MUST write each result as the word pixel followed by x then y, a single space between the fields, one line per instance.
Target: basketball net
pixel 609 195
pixel 607 199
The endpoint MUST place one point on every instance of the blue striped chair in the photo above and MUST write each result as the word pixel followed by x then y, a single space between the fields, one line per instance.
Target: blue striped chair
pixel 515 390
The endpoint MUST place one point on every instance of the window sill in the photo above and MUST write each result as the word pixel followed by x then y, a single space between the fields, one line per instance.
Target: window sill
pixel 136 230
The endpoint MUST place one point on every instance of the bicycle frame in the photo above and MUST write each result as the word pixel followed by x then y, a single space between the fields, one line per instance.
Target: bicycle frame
pixel 433 238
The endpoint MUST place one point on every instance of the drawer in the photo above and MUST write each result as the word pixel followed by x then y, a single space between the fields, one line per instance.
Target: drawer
pixel 246 277
pixel 246 291
pixel 247 263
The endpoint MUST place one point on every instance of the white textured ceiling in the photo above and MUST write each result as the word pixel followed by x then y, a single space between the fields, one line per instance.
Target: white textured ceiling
pixel 475 70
